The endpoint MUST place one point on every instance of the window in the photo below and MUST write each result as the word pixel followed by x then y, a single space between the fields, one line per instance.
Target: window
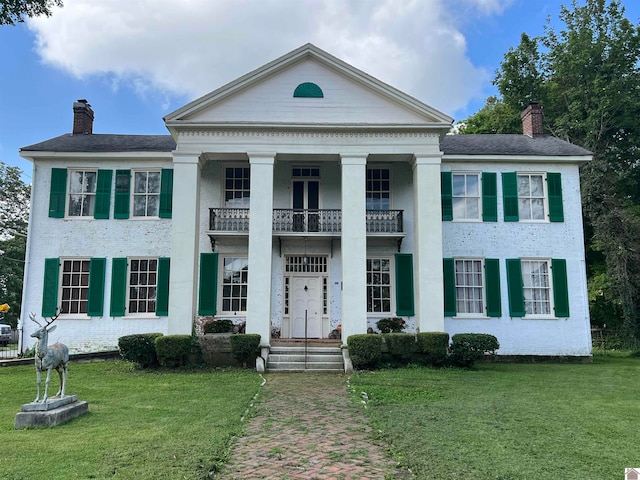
pixel 146 193
pixel 82 192
pixel 469 286
pixel 466 196
pixel 236 189
pixel 378 285
pixel 536 287
pixel 142 285
pixel 74 286
pixel 531 197
pixel 234 284
pixel 378 189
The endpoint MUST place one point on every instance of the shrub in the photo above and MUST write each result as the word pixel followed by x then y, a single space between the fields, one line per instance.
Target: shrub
pixel 245 346
pixel 401 346
pixel 139 348
pixel 175 350
pixel 433 347
pixel 467 348
pixel 218 326
pixel 391 325
pixel 365 350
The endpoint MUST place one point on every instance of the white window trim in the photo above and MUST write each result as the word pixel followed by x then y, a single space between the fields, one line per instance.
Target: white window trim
pixel 71 316
pixel 483 315
pixel 545 198
pixel 533 316
pixel 392 286
pixel 223 177
pixel 132 194
pixel 306 180
pixel 136 315
pixel 375 166
pixel 68 193
pixel 467 220
pixel 220 299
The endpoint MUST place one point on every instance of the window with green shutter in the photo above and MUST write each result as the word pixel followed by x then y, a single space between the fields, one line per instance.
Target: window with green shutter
pixel 162 305
pixel 554 189
pixel 510 196
pixel 117 307
pixel 446 196
pixel 492 282
pixel 560 287
pixel 404 284
pixel 103 194
pixel 449 276
pixel 58 192
pixel 515 288
pixel 166 193
pixel 50 287
pixel 95 300
pixel 122 194
pixel 489 197
pixel 208 285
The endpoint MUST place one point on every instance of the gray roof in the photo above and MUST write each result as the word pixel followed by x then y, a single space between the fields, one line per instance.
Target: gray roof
pixel 502 144
pixel 95 143
pixel 451 145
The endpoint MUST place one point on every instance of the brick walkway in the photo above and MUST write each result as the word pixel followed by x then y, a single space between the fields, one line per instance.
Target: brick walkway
pixel 306 427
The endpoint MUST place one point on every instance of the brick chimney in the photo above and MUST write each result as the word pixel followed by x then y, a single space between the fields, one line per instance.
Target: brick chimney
pixel 82 118
pixel 532 120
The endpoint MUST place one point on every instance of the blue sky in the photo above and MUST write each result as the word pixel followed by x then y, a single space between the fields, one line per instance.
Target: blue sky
pixel 135 62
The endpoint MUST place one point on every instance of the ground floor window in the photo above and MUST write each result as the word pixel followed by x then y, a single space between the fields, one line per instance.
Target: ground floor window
pixel 235 275
pixel 74 286
pixel 469 286
pixel 378 285
pixel 536 287
pixel 142 289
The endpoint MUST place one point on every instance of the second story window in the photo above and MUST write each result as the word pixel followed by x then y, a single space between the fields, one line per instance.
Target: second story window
pixel 236 187
pixel 146 193
pixel 466 196
pixel 82 193
pixel 378 189
pixel 531 196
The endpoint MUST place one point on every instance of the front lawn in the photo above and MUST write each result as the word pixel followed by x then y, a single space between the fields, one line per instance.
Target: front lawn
pixel 509 421
pixel 141 424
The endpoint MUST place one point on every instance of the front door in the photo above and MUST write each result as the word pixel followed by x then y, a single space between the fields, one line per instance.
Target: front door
pixel 306 305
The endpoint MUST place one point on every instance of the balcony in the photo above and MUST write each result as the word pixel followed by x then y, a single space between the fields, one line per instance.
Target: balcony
pixel 230 221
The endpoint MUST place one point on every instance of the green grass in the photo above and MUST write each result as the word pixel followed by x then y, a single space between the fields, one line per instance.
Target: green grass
pixel 141 424
pixel 509 421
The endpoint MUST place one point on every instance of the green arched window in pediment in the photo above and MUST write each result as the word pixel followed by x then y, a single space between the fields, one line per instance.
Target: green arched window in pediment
pixel 308 90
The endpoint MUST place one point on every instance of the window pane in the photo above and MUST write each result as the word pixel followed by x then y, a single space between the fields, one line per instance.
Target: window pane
pixel 153 182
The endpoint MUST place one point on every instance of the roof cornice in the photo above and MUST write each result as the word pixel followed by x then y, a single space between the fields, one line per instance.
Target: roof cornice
pixel 516 158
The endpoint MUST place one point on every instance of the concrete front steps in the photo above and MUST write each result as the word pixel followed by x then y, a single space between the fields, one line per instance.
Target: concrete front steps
pixel 289 356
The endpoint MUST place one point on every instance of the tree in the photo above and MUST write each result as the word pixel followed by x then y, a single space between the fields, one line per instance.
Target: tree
pixel 15 11
pixel 14 215
pixel 587 77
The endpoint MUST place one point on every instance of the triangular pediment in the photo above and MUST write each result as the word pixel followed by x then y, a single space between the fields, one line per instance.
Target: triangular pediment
pixel 327 91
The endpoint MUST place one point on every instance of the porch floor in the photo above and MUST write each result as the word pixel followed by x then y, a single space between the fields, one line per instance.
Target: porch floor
pixel 299 342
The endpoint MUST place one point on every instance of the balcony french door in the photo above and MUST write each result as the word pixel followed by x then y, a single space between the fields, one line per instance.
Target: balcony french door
pixel 306 203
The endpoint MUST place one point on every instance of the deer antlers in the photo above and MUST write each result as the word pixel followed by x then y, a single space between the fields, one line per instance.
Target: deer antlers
pixel 32 317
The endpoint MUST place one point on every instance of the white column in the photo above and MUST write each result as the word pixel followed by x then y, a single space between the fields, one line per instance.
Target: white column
pixel 354 245
pixel 429 294
pixel 185 224
pixel 260 245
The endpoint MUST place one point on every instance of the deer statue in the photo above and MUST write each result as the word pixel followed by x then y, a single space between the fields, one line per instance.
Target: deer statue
pixel 49 357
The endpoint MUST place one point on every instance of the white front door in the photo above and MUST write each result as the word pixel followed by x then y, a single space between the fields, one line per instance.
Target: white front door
pixel 306 303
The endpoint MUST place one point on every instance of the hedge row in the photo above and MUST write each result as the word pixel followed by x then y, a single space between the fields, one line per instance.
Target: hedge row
pixel 173 351
pixel 427 348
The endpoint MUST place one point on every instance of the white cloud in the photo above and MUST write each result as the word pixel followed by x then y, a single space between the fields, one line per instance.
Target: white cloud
pixel 190 47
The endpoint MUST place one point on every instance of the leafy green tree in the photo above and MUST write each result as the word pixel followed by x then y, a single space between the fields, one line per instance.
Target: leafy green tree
pixel 587 77
pixel 15 11
pixel 14 215
pixel 495 117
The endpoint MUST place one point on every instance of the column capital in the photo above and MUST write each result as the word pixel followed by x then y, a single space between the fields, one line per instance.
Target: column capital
pixel 353 158
pixel 187 157
pixel 427 159
pixel 264 158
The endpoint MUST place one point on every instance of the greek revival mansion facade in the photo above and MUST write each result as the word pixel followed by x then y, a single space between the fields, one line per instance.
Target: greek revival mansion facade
pixel 303 197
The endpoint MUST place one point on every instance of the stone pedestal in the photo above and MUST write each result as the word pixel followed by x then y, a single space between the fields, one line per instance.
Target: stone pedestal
pixel 50 413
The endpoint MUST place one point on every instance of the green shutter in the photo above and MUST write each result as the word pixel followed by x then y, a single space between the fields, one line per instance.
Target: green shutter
pixel 121 200
pixel 162 302
pixel 446 195
pixel 50 288
pixel 554 189
pixel 510 196
pixel 58 192
pixel 208 288
pixel 492 283
pixel 489 197
pixel 449 276
pixel 95 303
pixel 166 193
pixel 404 284
pixel 514 283
pixel 560 287
pixel 118 287
pixel 103 194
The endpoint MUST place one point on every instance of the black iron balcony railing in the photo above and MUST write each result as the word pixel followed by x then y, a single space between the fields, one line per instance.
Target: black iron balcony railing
pixel 287 220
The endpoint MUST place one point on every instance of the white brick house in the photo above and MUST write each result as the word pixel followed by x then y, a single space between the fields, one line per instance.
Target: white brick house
pixel 308 186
